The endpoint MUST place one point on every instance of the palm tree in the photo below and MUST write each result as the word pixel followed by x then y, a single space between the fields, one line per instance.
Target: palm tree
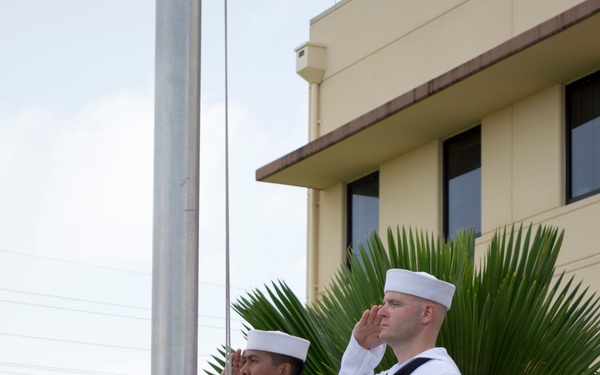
pixel 510 314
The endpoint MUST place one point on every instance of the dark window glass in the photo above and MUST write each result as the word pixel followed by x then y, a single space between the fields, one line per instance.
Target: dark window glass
pixel 583 137
pixel 462 182
pixel 363 209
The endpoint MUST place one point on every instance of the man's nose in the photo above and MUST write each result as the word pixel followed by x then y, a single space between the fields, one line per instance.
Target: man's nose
pixel 382 312
pixel 244 369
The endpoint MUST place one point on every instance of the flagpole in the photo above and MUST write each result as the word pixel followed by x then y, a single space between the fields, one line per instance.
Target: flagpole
pixel 176 188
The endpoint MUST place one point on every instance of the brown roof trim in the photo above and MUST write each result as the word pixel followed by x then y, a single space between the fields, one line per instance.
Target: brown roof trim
pixel 517 44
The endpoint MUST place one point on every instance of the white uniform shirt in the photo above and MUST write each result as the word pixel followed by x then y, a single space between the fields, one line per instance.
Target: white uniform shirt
pixel 360 361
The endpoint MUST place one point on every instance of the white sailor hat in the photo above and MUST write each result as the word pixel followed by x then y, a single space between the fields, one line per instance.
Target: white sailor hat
pixel 277 342
pixel 420 284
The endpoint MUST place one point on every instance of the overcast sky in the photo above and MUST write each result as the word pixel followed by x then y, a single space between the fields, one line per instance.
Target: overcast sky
pixel 76 160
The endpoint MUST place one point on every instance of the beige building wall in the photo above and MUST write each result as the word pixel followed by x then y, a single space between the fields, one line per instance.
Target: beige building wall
pixel 538 162
pixel 496 171
pixel 580 251
pixel 409 190
pixel 408 43
pixel 332 234
pixel 376 53
pixel 527 13
pixel 523 181
pixel 522 160
pixel 409 193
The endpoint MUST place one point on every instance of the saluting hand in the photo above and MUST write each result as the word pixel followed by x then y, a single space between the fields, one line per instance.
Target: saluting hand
pixel 366 331
pixel 237 361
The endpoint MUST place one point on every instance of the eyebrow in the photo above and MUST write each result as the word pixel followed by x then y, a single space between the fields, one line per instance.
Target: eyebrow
pixel 390 300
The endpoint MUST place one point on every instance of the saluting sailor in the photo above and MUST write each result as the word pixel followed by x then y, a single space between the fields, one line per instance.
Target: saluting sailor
pixel 409 321
pixel 270 353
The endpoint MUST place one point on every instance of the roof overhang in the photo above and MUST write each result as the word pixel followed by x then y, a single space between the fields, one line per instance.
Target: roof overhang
pixel 555 52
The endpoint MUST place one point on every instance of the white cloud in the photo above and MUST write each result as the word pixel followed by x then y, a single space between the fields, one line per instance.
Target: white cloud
pixel 89 177
pixel 77 190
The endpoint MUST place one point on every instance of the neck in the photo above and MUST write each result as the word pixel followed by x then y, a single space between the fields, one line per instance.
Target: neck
pixel 405 352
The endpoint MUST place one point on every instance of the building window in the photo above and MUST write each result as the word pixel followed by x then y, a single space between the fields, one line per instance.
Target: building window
pixel 583 137
pixel 462 182
pixel 363 209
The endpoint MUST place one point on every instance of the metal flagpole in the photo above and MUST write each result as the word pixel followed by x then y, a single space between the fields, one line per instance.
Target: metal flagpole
pixel 176 188
pixel 227 242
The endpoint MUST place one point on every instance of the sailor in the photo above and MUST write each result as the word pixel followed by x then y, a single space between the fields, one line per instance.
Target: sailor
pixel 409 321
pixel 270 353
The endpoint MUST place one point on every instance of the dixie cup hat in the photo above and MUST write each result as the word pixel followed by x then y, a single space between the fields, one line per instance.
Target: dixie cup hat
pixel 278 342
pixel 420 284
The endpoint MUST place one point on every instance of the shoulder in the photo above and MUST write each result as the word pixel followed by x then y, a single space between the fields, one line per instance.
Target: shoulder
pixel 441 363
pixel 437 367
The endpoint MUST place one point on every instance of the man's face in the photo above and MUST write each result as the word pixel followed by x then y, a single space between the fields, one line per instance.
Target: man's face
pixel 259 363
pixel 400 318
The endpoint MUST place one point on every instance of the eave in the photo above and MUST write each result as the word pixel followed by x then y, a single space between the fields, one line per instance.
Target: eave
pixel 557 51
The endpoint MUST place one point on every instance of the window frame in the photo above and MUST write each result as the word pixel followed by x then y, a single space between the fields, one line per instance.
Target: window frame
pixel 349 208
pixel 446 199
pixel 569 88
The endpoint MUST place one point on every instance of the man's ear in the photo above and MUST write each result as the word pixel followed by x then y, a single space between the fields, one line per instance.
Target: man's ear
pixel 429 311
pixel 284 369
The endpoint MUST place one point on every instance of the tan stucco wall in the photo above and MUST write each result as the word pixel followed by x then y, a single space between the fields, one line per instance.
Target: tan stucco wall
pixel 523 174
pixel 332 233
pixel 416 203
pixel 522 159
pixel 527 13
pixel 537 141
pixel 523 181
pixel 375 53
pixel 409 190
pixel 523 169
pixel 580 251
pixel 496 176
pixel 408 43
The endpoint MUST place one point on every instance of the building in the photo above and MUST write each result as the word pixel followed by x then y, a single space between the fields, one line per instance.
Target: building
pixel 447 114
